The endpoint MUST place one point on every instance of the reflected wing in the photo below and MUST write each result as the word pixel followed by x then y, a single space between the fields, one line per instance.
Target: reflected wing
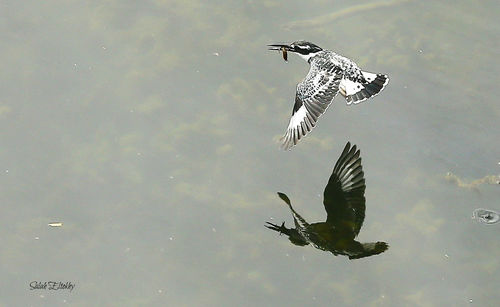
pixel 314 94
pixel 344 196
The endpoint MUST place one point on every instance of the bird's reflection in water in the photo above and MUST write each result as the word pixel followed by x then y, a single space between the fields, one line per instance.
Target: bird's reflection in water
pixel 344 201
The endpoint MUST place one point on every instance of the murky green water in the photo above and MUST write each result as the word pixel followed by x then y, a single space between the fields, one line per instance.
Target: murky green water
pixel 149 130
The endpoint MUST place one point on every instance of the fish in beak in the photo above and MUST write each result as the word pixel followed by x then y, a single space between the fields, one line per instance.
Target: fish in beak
pixel 282 48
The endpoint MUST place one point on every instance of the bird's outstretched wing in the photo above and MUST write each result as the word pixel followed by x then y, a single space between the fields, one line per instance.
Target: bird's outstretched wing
pixel 314 94
pixel 344 195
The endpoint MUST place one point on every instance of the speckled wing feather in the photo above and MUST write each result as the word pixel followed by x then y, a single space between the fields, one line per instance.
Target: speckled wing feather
pixel 314 94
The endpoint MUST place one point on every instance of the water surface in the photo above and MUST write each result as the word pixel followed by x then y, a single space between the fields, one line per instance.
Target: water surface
pixel 149 129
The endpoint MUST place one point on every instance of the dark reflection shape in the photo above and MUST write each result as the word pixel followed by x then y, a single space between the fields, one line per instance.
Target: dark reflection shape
pixel 486 216
pixel 344 200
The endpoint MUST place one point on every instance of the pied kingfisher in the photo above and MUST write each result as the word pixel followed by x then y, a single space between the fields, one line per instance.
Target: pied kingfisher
pixel 344 201
pixel 328 74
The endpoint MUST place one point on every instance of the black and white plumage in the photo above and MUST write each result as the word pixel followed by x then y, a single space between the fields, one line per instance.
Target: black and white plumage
pixel 329 73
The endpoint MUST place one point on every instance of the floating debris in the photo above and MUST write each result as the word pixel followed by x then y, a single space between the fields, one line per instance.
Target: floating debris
pixel 490 179
pixel 486 216
pixel 55 224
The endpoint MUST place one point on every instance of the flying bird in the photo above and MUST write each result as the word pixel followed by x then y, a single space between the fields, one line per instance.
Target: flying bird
pixel 328 74
pixel 344 201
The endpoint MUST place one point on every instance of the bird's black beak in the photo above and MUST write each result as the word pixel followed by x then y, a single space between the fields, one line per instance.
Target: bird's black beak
pixel 280 47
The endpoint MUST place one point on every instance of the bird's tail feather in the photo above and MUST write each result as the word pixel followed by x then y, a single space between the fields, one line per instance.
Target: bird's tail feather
pixel 356 92
pixel 370 249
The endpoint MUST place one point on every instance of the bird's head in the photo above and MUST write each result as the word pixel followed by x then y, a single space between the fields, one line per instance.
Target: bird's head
pixel 305 50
